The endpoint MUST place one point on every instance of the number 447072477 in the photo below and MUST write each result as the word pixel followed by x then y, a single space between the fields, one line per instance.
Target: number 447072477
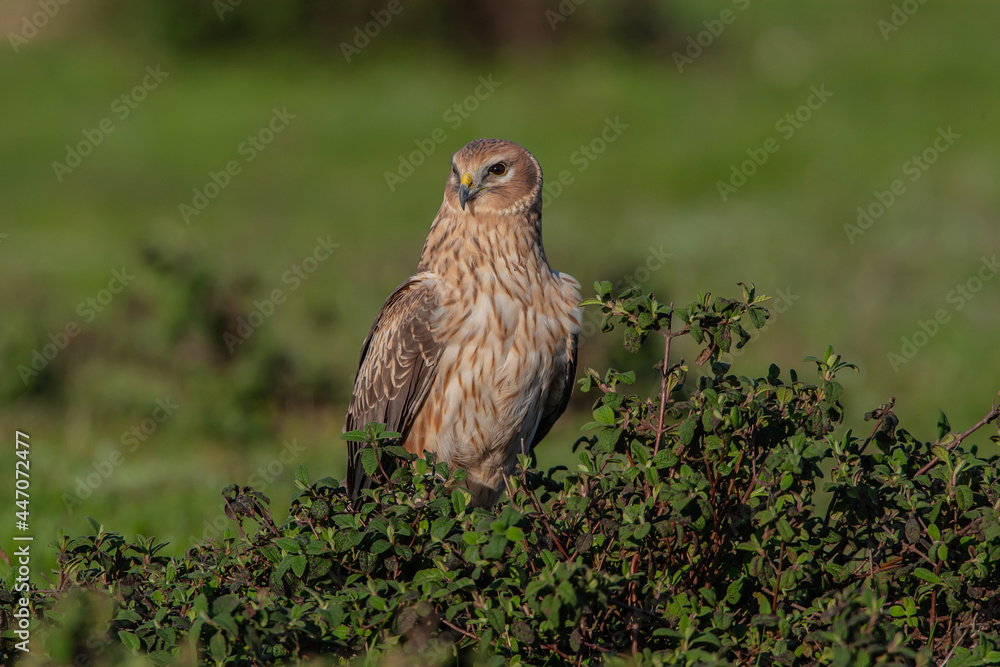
pixel 22 481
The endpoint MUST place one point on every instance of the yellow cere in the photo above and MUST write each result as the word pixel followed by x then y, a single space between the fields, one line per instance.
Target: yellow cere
pixel 467 180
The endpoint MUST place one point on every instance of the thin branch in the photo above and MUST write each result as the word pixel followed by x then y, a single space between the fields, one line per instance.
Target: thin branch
pixel 883 412
pixel 461 631
pixel 664 376
pixel 955 646
pixel 990 416
pixel 544 517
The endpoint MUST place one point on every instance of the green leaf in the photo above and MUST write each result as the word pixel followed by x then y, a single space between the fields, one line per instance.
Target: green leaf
pixel 733 591
pixel 605 415
pixel 299 565
pixel 963 494
pixel 441 527
pixel 161 658
pixel 217 647
pixel 713 442
pixel 495 548
pixel 127 615
pixel 369 460
pixel 302 475
pixel 459 499
pixel 168 635
pixel 129 639
pixel 496 618
pixel 227 622
pixel 225 604
pixel 784 395
pixel 316 547
pixel 785 530
pixel 926 575
pixel 697 333
pixel 430 575
pixel 686 431
pixel 282 568
pixel 567 593
pixel 943 425
pixel 333 615
pixel 607 438
pixel 942 454
pixel 289 544
pixel 515 534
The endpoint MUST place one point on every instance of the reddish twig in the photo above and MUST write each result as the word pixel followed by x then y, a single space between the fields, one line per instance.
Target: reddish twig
pixel 664 375
pixel 459 630
pixel 990 416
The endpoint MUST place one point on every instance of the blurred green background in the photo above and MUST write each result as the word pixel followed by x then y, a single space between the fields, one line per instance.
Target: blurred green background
pixel 642 108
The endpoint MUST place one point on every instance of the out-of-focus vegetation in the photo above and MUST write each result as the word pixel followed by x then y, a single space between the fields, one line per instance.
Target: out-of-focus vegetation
pixel 642 202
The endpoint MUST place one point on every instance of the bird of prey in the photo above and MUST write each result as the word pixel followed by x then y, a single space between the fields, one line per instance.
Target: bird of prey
pixel 473 358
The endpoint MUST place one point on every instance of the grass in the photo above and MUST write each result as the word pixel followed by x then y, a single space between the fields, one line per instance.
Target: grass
pixel 324 175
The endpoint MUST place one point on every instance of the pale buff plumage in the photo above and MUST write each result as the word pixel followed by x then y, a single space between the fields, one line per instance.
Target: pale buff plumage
pixel 474 357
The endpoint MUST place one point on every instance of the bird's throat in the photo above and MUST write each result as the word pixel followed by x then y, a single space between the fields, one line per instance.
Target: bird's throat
pixel 465 245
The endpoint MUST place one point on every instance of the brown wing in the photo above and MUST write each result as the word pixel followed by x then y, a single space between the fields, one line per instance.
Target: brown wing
pixel 560 393
pixel 397 366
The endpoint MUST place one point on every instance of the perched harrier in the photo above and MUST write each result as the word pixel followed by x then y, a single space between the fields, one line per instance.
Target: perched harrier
pixel 474 357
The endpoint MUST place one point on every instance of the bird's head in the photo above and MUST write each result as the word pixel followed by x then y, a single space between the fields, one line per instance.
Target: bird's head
pixel 494 176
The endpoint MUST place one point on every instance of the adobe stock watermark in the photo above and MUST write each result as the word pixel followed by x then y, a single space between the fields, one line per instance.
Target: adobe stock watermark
pixel 121 108
pixel 901 13
pixel 88 310
pixel 656 258
pixel 696 44
pixel 582 158
pixel 363 35
pixel 20 564
pixel 248 150
pixel 454 116
pixel 223 7
pixel 957 299
pixel 562 13
pixel 786 127
pixel 294 277
pixel 131 439
pixel 31 24
pixel 913 169
pixel 260 479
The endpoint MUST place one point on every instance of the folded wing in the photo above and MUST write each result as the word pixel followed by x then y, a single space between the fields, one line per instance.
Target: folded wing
pixel 559 392
pixel 397 366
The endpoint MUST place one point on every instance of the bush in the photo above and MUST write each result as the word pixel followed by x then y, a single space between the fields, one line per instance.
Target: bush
pixel 692 531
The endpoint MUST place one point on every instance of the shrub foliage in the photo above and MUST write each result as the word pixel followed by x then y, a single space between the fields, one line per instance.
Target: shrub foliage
pixel 696 528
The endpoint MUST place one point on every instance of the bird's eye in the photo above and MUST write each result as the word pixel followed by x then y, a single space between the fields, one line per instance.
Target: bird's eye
pixel 499 169
pixel 454 170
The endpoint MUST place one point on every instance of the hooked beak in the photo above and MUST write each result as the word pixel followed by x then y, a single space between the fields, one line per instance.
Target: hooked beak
pixel 464 193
